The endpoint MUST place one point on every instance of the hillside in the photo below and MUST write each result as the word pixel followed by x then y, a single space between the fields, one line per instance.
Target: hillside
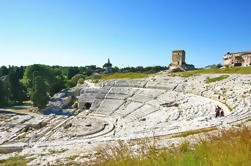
pixel 79 122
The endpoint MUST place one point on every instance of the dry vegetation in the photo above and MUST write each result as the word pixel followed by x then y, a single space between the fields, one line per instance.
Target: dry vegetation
pixel 231 147
pixel 185 134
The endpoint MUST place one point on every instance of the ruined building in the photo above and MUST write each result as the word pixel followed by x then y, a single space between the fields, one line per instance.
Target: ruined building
pixel 178 61
pixel 178 58
pixel 237 59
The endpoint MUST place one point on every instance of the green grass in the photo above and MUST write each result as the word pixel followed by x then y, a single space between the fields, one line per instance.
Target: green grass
pixel 15 161
pixel 124 75
pixel 230 148
pixel 185 134
pixel 248 120
pixel 55 152
pixel 215 79
pixel 230 109
pixel 234 70
pixel 118 76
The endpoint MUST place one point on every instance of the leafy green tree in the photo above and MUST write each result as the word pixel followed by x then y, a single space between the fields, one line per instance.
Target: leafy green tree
pixel 70 84
pixel 72 71
pixel 39 95
pixel 29 72
pixel 81 81
pixel 57 85
pixel 52 78
pixel 77 77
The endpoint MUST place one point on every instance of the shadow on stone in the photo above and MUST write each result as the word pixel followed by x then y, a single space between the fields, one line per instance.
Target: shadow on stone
pixel 9 112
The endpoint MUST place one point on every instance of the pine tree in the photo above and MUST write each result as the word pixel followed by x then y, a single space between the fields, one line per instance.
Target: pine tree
pixel 16 89
pixel 39 91
pixel 2 94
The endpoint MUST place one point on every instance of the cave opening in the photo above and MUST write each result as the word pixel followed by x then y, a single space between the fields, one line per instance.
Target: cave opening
pixel 88 105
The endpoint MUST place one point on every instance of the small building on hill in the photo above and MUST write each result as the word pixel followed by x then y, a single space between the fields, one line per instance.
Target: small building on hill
pixel 237 59
pixel 107 66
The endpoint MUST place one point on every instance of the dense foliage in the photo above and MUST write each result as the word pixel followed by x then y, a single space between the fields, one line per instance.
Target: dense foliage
pixel 39 91
pixel 38 82
pixel 12 91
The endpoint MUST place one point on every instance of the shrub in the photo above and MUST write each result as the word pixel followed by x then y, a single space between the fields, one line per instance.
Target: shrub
pixel 70 84
pixel 81 81
pixel 77 77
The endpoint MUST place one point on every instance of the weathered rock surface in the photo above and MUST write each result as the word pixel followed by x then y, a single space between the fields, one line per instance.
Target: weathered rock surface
pixel 125 109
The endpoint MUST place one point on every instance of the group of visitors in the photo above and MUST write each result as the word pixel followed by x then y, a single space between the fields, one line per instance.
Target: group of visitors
pixel 219 112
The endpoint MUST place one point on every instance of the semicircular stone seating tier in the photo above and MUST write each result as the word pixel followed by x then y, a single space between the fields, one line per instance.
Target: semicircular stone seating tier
pixel 166 105
pixel 138 108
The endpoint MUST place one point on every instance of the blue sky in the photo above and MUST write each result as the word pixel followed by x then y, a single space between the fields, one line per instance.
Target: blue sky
pixel 129 32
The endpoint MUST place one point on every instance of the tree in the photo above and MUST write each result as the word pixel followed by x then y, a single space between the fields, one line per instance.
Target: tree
pixel 41 70
pixel 52 78
pixel 70 84
pixel 57 83
pixel 39 95
pixel 16 89
pixel 81 81
pixel 77 77
pixel 3 71
pixel 2 94
pixel 72 71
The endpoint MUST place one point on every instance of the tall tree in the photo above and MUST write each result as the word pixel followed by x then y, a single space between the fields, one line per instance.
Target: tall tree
pixel 2 94
pixel 72 71
pixel 39 95
pixel 45 72
pixel 3 71
pixel 16 89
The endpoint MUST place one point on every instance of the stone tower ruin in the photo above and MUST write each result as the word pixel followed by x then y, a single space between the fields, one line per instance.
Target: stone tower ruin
pixel 178 58
pixel 178 62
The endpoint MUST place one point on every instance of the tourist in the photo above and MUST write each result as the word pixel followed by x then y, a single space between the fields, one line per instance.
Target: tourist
pixel 217 111
pixel 221 112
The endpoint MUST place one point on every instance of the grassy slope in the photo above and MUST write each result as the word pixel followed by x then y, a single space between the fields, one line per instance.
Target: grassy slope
pixel 235 70
pixel 124 75
pixel 15 161
pixel 232 147
pixel 118 76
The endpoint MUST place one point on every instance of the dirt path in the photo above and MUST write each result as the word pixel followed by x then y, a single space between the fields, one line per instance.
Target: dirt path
pixel 25 108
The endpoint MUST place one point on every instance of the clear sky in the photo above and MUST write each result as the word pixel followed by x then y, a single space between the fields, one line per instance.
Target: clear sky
pixel 129 32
